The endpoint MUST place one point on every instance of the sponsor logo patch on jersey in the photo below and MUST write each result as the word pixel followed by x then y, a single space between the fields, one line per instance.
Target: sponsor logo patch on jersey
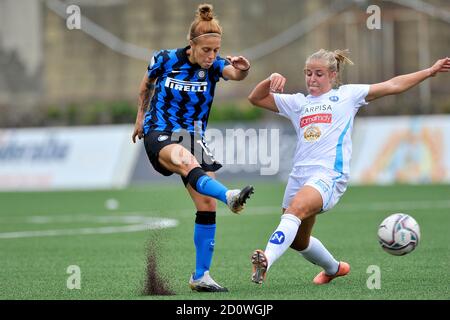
pixel 277 238
pixel 162 138
pixel 181 85
pixel 201 74
pixel 318 108
pixel 334 98
pixel 315 118
pixel 312 133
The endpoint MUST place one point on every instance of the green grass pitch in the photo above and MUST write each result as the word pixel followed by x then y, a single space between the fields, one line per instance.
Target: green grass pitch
pixel 113 265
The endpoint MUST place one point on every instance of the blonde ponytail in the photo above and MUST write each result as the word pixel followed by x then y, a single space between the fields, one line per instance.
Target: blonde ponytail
pixel 334 61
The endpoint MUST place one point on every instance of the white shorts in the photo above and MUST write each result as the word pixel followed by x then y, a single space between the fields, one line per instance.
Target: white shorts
pixel 329 183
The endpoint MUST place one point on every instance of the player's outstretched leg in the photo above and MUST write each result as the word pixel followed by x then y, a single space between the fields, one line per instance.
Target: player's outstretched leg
pixel 259 266
pixel 205 284
pixel 205 185
pixel 323 278
pixel 320 256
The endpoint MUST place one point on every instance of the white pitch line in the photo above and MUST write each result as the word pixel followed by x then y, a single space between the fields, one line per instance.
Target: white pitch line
pixel 140 222
pixel 146 223
pixel 125 217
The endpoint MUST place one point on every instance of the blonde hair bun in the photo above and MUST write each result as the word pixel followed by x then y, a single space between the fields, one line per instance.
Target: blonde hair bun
pixel 204 23
pixel 205 12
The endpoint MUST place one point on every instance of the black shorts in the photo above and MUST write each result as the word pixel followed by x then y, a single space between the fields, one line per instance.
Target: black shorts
pixel 154 141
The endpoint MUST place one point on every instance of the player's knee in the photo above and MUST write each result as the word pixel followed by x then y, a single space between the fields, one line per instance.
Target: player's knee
pixel 187 167
pixel 207 204
pixel 300 210
pixel 179 158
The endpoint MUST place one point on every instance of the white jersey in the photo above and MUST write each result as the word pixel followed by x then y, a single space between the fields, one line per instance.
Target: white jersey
pixel 323 125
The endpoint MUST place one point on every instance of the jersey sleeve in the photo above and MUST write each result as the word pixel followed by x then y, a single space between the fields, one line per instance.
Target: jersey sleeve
pixel 359 93
pixel 286 103
pixel 156 67
pixel 218 66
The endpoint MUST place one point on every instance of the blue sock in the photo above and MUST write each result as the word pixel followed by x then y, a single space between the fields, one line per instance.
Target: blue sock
pixel 211 187
pixel 204 247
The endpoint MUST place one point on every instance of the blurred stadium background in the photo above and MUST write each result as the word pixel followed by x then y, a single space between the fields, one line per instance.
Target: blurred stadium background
pixel 68 101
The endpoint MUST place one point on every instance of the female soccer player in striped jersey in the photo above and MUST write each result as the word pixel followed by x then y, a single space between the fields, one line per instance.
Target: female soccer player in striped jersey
pixel 181 85
pixel 323 120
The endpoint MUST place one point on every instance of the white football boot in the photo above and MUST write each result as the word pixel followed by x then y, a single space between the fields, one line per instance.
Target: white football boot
pixel 205 284
pixel 237 198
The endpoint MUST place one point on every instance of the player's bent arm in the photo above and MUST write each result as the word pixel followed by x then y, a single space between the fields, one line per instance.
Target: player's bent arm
pixel 237 69
pixel 232 73
pixel 146 89
pixel 262 97
pixel 403 83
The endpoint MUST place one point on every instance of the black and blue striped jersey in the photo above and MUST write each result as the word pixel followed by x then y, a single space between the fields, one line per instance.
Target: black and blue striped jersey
pixel 184 92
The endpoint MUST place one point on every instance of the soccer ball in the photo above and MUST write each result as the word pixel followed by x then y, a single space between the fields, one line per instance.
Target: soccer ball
pixel 399 234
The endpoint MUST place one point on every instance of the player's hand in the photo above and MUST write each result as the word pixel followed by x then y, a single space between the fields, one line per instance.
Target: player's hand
pixel 240 63
pixel 442 65
pixel 277 82
pixel 138 131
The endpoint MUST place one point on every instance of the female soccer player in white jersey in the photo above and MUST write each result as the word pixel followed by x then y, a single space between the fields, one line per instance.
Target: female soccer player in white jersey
pixel 323 120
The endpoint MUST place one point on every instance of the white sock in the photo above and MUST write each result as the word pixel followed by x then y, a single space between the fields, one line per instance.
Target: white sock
pixel 318 254
pixel 282 238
